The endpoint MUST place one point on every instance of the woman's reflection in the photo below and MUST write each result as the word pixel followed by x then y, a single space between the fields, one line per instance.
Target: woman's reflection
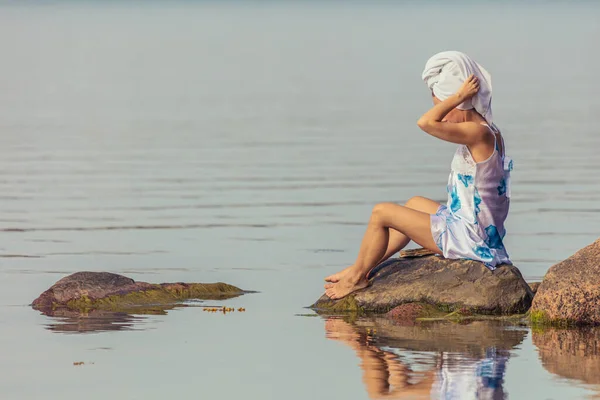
pixel 390 373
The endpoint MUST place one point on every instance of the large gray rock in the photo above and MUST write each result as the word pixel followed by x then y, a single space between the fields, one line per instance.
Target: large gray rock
pixel 448 284
pixel 570 291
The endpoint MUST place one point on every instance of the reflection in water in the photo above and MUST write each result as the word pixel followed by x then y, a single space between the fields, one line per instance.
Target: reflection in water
pixel 571 353
pixel 71 321
pixel 68 321
pixel 434 360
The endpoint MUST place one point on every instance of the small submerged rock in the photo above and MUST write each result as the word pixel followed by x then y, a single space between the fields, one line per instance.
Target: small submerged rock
pixel 448 285
pixel 108 291
pixel 570 291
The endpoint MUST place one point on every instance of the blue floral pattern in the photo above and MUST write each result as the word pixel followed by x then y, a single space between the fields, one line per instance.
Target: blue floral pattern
pixel 465 179
pixel 502 187
pixel 471 224
pixel 477 201
pixel 493 240
pixel 483 252
pixel 439 242
pixel 455 203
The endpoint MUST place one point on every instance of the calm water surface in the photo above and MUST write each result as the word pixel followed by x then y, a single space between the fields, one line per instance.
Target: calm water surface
pixel 247 143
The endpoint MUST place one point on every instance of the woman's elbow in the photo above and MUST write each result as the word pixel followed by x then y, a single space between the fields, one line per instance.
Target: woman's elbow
pixel 423 124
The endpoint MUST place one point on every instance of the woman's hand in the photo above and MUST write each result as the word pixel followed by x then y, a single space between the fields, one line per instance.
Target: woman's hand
pixel 469 88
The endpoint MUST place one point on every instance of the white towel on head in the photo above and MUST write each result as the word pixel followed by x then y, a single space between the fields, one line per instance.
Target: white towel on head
pixel 444 74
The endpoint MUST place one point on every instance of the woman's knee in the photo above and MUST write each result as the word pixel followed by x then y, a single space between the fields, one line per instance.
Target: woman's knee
pixel 380 210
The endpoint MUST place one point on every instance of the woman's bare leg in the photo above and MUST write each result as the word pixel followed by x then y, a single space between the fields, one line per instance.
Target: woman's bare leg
pixel 384 375
pixel 412 223
pixel 397 240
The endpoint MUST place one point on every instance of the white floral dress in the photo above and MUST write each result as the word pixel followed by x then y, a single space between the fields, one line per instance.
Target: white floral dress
pixel 471 225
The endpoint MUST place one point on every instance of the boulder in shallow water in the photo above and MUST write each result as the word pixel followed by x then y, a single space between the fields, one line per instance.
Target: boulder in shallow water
pixel 107 291
pixel 570 291
pixel 450 285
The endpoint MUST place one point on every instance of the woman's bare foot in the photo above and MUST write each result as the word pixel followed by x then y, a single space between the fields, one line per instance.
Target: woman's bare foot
pixel 349 283
pixel 337 276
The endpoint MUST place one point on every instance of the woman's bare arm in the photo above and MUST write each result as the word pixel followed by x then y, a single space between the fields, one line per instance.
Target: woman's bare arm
pixel 467 133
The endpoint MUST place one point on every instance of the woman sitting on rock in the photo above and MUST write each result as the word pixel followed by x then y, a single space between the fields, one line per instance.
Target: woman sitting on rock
pixel 471 224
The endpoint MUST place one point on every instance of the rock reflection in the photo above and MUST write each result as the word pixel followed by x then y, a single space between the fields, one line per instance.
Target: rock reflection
pixel 431 360
pixel 70 321
pixel 571 353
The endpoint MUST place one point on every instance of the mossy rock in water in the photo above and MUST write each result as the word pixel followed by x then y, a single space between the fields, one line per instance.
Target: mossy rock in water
pixel 448 285
pixel 107 291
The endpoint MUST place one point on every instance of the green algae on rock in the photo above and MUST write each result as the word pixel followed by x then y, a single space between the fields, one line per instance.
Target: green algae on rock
pixel 448 285
pixel 411 314
pixel 113 292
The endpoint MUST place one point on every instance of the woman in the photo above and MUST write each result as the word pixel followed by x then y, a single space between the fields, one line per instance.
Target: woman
pixel 471 225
